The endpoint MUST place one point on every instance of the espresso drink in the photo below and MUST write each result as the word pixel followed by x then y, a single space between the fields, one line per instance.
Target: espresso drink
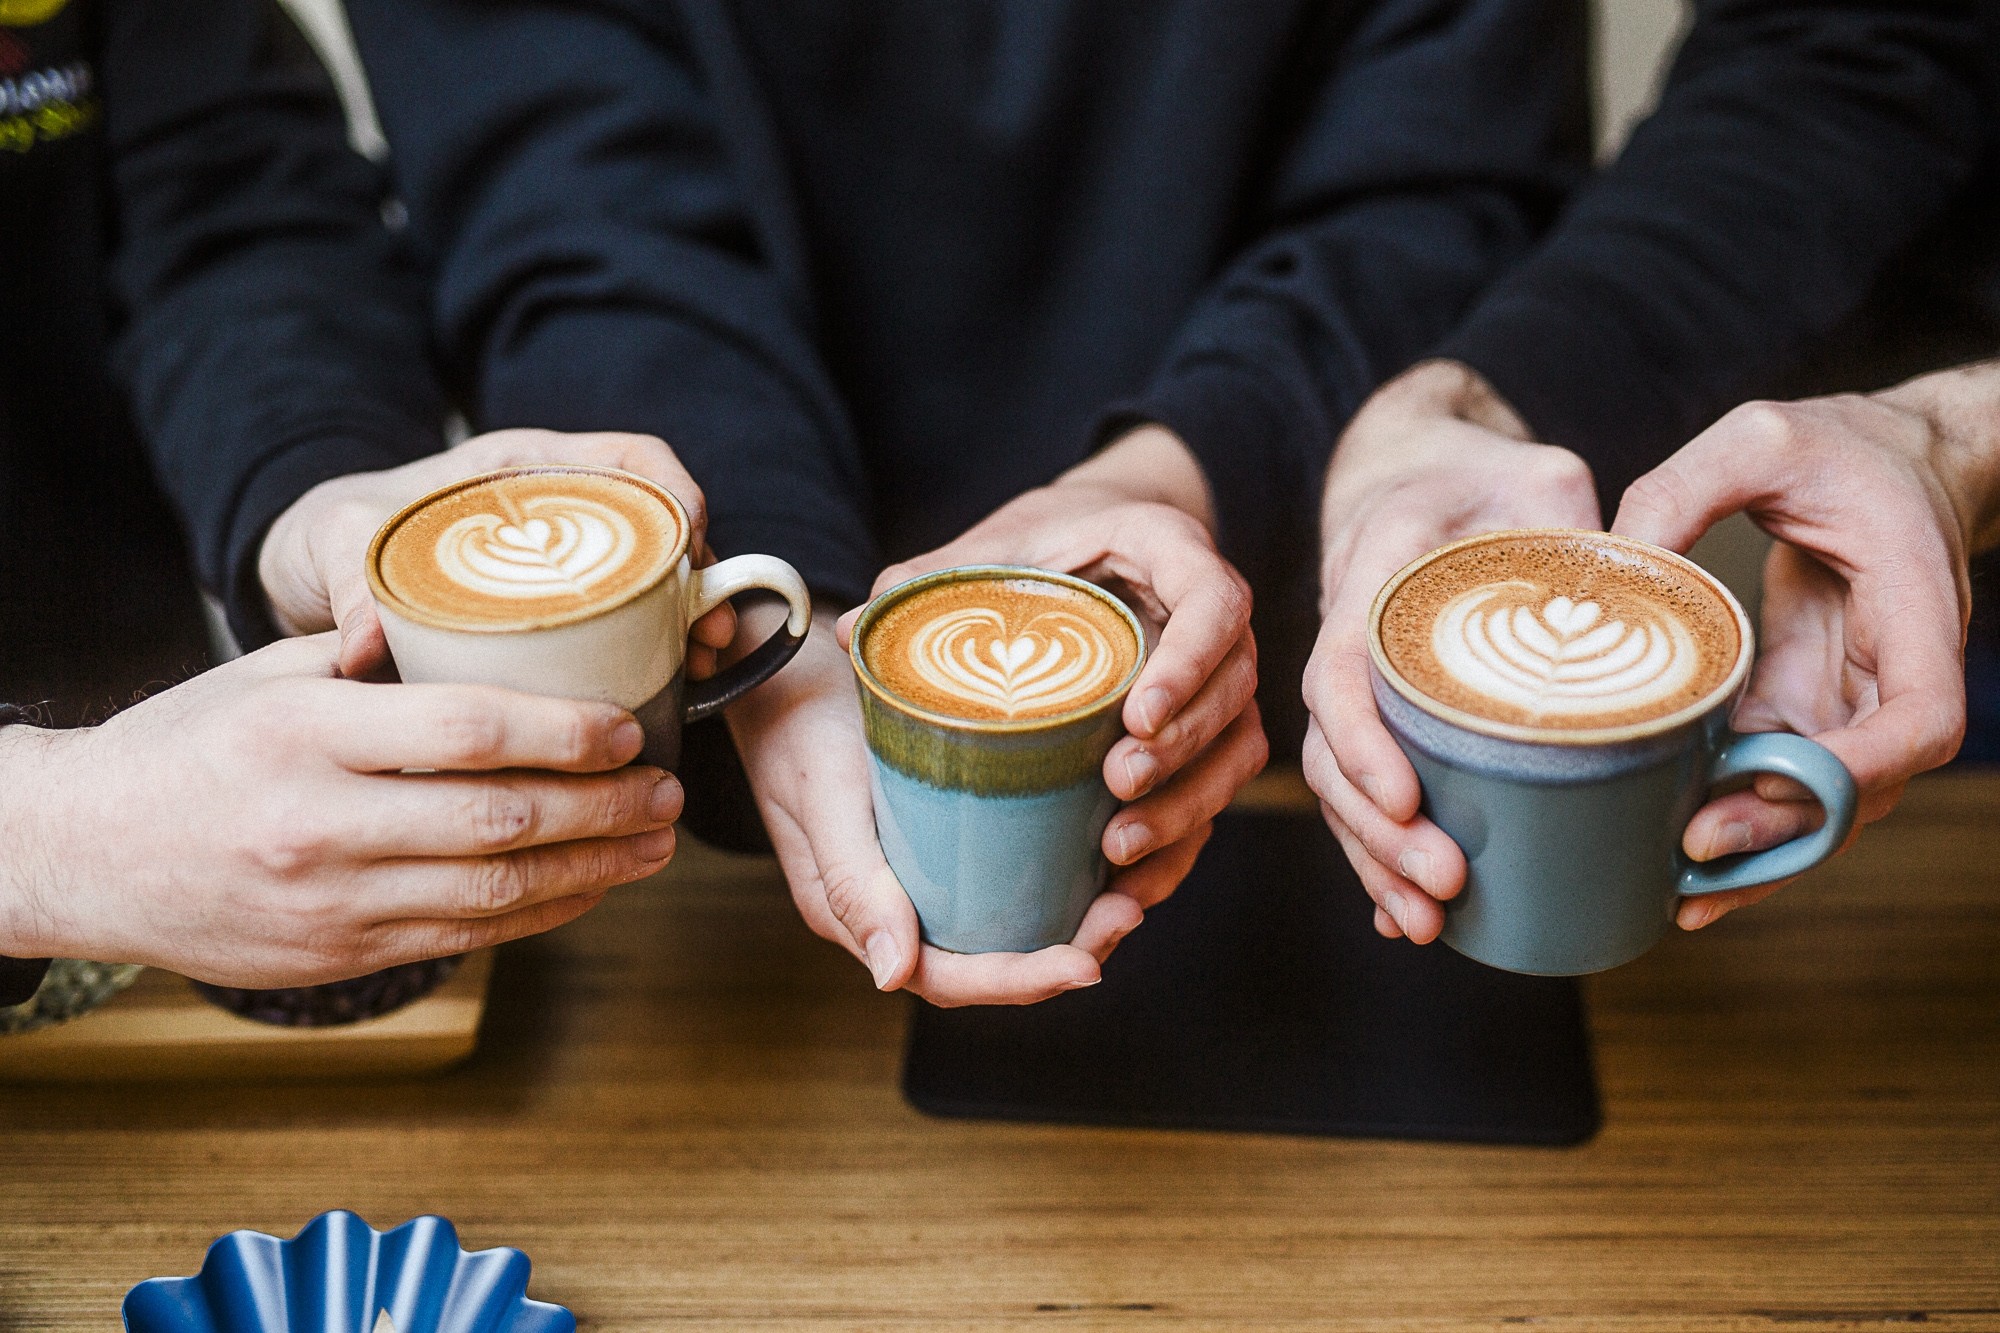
pixel 1001 649
pixel 526 549
pixel 1561 632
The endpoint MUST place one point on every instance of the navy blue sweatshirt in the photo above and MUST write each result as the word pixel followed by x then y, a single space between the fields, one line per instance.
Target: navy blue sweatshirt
pixel 176 188
pixel 1799 145
pixel 874 267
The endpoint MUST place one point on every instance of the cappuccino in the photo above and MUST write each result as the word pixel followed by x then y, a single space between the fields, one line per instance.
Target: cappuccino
pixel 1001 649
pixel 1560 631
pixel 527 548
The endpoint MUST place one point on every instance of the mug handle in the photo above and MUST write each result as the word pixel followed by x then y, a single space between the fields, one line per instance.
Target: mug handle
pixel 1813 766
pixel 711 587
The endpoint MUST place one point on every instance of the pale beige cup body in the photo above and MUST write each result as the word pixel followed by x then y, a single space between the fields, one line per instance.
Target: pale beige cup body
pixel 622 656
pixel 629 653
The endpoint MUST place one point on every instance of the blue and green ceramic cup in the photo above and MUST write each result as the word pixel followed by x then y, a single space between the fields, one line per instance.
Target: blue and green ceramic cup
pixel 994 827
pixel 1574 839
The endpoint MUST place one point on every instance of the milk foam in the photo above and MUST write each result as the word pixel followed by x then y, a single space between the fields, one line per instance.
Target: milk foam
pixel 1050 663
pixel 1518 644
pixel 1560 630
pixel 553 544
pixel 526 547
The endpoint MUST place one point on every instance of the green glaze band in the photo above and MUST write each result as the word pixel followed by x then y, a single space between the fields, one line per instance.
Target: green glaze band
pixel 990 758
pixel 988 765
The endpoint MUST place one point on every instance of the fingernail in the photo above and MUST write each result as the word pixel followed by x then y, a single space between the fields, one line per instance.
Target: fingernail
pixel 1132 840
pixel 1154 708
pixel 664 805
pixel 1370 787
pixel 1082 985
pixel 1394 907
pixel 1141 771
pixel 1733 838
pixel 884 958
pixel 627 738
pixel 1703 914
pixel 1416 866
pixel 655 846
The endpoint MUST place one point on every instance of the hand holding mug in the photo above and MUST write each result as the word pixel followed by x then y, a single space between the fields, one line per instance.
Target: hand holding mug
pixel 1131 520
pixel 804 747
pixel 1564 696
pixel 569 581
pixel 255 825
pixel 312 562
pixel 1876 503
pixel 1434 456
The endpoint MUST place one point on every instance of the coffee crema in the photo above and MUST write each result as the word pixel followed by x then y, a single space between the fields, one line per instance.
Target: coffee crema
pixel 1000 649
pixel 1560 631
pixel 528 547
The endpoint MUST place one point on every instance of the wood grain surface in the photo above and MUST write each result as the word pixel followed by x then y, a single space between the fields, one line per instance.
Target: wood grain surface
pixel 160 1029
pixel 684 1109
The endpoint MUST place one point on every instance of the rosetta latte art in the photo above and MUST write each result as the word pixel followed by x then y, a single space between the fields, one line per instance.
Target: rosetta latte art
pixel 553 544
pixel 1056 661
pixel 1553 656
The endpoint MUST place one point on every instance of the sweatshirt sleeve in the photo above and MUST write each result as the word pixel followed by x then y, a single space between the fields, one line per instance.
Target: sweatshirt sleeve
pixel 601 265
pixel 1429 155
pixel 1798 145
pixel 271 339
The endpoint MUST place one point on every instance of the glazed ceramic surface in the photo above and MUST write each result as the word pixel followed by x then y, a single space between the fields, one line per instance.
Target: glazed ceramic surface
pixel 1574 848
pixel 630 653
pixel 992 827
pixel 340 1275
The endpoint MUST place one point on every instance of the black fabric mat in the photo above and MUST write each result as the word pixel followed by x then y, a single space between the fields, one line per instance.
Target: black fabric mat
pixel 1259 998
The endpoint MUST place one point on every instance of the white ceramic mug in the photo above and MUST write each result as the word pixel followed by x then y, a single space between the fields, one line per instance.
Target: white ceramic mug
pixel 630 652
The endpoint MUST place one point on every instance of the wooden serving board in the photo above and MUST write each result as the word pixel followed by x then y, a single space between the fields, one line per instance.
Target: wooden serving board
pixel 159 1029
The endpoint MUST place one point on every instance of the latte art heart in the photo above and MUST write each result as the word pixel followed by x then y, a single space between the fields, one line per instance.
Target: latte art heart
pixel 557 544
pixel 1554 656
pixel 1054 661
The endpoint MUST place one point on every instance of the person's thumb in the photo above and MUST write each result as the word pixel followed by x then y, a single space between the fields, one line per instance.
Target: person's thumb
pixel 363 649
pixel 1728 467
pixel 865 897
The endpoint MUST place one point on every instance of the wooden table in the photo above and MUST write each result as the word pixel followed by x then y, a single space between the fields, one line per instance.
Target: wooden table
pixel 684 1109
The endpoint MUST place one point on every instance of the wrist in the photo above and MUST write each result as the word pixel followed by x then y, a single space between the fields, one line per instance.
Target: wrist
pixel 1962 410
pixel 1424 419
pixel 1149 464
pixel 31 926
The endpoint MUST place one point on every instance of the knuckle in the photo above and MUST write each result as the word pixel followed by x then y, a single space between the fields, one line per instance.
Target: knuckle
pixel 1662 492
pixel 598 863
pixel 498 818
pixel 492 885
pixel 1769 425
pixel 1564 473
pixel 469 733
pixel 285 841
pixel 846 894
pixel 1233 594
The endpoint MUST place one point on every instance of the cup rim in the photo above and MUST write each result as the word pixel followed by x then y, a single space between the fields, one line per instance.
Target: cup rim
pixel 387 597
pixel 888 597
pixel 1573 736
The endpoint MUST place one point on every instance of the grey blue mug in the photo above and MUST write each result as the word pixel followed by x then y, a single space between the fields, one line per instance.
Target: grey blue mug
pixel 994 828
pixel 1574 845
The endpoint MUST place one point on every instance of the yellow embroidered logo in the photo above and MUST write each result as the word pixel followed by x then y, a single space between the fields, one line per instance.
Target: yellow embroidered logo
pixel 27 13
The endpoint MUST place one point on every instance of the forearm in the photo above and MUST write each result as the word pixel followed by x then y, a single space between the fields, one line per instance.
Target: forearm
pixel 30 927
pixel 272 339
pixel 1150 464
pixel 1798 146
pixel 1387 236
pixel 602 265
